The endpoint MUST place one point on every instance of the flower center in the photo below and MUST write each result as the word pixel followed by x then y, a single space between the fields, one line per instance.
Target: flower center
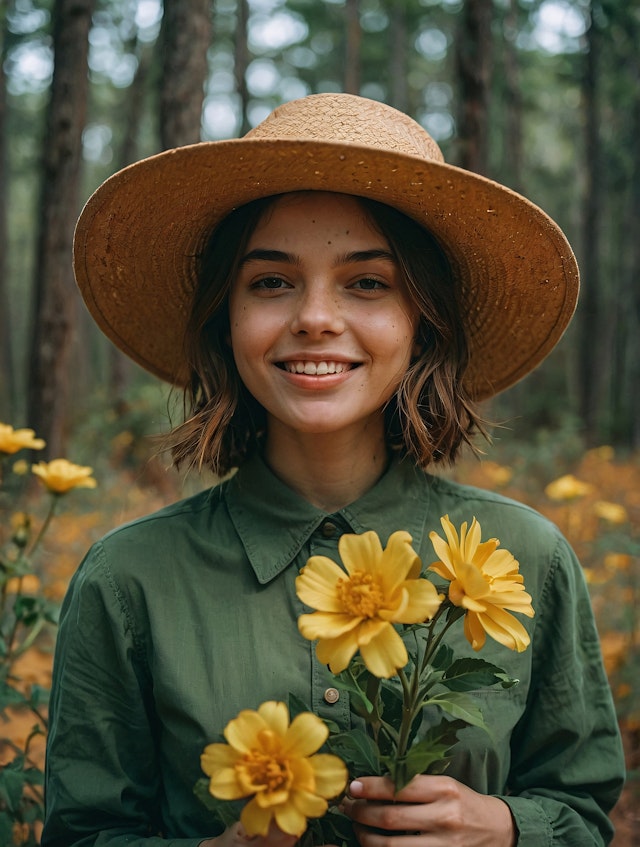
pixel 360 595
pixel 258 771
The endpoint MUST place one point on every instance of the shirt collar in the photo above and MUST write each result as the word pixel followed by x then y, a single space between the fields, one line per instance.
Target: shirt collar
pixel 274 523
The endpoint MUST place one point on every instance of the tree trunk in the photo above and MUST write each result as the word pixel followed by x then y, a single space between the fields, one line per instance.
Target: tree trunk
pixel 7 384
pixel 352 48
pixel 473 66
pixel 55 293
pixel 589 351
pixel 513 100
pixel 399 96
pixel 119 365
pixel 242 62
pixel 186 32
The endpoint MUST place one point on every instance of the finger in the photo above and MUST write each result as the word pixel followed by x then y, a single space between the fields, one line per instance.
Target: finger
pixel 372 838
pixel 421 789
pixel 392 817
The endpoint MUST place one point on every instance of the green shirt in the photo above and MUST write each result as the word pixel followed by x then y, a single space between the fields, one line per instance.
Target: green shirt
pixel 176 622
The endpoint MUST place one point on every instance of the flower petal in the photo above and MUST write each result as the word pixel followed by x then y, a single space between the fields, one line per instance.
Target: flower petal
pixel 326 625
pixel 384 653
pixel 290 819
pixel 360 552
pixel 242 732
pixel 310 805
pixel 505 629
pixel 337 652
pixel 474 631
pixel 217 756
pixel 422 602
pixel 399 559
pixel 305 736
pixel 256 820
pixel 275 715
pixel 316 584
pixel 330 774
pixel 224 785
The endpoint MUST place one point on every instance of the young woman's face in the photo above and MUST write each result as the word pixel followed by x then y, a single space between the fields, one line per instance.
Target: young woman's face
pixel 322 329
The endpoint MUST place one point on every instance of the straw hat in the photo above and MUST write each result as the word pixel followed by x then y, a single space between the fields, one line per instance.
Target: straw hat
pixel 139 236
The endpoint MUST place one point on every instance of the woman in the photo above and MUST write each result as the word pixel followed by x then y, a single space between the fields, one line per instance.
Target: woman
pixel 335 299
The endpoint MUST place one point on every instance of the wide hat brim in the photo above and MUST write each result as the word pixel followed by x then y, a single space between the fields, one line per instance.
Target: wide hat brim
pixel 139 237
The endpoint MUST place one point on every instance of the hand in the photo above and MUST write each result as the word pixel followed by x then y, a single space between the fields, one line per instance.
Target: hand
pixel 235 836
pixel 432 811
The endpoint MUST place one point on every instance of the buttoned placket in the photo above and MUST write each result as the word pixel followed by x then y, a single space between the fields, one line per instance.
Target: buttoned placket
pixel 328 701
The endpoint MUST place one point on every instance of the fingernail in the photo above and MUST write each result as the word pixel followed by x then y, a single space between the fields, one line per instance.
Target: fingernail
pixel 356 787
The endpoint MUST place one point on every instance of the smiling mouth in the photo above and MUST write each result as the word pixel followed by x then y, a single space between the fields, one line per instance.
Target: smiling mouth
pixel 316 368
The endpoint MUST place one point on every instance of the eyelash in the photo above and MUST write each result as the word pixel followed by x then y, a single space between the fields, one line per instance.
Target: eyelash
pixel 263 284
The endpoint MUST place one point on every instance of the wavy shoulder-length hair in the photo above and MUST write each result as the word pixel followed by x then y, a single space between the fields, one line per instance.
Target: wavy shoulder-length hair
pixel 430 416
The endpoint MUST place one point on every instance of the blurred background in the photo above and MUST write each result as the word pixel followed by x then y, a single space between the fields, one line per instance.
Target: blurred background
pixel 542 96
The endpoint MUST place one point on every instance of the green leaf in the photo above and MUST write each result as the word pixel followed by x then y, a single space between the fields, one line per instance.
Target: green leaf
pixel 10 696
pixel 430 754
pixel 12 782
pixel 443 658
pixel 360 703
pixel 6 828
pixel 458 705
pixel 471 674
pixel 358 751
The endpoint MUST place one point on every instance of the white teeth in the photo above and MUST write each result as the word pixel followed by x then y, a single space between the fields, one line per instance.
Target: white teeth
pixel 316 368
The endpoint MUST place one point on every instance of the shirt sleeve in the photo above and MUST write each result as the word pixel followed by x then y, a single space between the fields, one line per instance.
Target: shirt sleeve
pixel 102 770
pixel 567 761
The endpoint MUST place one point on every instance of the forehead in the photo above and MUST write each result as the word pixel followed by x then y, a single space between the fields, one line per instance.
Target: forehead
pixel 290 212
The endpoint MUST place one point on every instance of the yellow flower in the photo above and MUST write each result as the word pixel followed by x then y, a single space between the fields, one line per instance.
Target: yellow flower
pixel 272 761
pixel 613 513
pixel 61 476
pixel 357 609
pixel 485 581
pixel 12 440
pixel 27 584
pixel 567 487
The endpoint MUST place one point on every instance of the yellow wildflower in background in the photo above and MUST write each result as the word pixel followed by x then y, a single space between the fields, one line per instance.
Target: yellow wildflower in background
pixel 485 582
pixel 356 610
pixel 568 487
pixel 271 760
pixel 613 513
pixel 61 475
pixel 12 440
pixel 27 584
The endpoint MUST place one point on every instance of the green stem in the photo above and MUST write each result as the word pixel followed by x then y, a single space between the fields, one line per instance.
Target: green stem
pixel 45 525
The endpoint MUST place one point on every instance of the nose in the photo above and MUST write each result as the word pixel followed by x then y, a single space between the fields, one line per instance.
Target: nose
pixel 317 312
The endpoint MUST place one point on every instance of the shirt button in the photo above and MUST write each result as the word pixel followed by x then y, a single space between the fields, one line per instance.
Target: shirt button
pixel 331 695
pixel 328 529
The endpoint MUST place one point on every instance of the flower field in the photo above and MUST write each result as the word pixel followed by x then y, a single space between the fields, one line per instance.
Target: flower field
pixel 594 496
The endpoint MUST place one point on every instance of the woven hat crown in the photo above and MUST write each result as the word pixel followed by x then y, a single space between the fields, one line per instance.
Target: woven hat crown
pixel 332 118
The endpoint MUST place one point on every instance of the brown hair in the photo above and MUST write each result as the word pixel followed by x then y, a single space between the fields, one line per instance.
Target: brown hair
pixel 430 417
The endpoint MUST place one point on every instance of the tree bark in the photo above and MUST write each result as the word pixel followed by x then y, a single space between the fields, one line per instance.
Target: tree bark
pixel 55 293
pixel 186 33
pixel 242 62
pixel 513 100
pixel 473 66
pixel 397 59
pixel 589 351
pixel 352 48
pixel 7 384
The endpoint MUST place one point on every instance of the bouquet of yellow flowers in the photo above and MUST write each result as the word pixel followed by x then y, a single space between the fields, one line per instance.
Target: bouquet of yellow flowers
pixel 380 626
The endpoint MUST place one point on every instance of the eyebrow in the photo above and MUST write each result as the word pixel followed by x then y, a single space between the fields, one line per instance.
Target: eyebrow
pixel 354 257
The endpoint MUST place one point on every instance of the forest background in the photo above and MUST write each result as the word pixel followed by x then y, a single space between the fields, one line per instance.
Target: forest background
pixel 541 95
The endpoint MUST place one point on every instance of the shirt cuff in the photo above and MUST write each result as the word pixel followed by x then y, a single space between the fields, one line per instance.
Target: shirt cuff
pixel 532 825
